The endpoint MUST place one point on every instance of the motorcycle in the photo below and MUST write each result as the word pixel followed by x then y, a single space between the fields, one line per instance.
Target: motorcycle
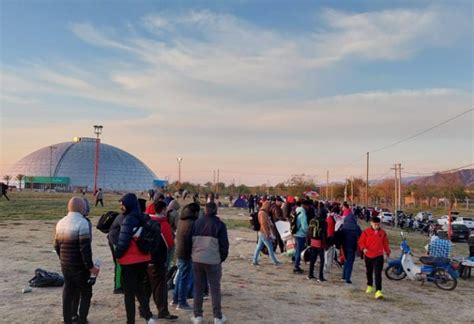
pixel 442 271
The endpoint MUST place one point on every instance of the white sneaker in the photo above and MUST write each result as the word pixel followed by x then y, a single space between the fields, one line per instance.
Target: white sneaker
pixel 196 320
pixel 220 320
pixel 151 321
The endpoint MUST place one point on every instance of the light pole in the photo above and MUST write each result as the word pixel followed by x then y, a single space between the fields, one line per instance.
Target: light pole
pixel 180 159
pixel 97 132
pixel 51 148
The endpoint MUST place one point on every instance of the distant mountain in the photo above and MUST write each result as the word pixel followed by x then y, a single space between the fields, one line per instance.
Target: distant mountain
pixel 462 177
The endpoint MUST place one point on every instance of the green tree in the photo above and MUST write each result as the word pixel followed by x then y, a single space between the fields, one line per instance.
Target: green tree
pixel 7 178
pixel 20 177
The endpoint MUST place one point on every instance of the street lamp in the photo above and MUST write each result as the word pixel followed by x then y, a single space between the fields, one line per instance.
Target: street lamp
pixel 97 132
pixel 51 148
pixel 180 159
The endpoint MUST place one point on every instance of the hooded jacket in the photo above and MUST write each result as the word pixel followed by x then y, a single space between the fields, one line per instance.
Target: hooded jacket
pixel 266 226
pixel 126 250
pixel 173 214
pixel 183 233
pixel 351 232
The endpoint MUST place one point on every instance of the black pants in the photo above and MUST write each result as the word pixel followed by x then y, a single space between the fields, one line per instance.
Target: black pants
pixel 133 285
pixel 314 253
pixel 158 287
pixel 279 241
pixel 374 265
pixel 5 194
pixel 213 274
pixel 77 294
pixel 251 209
pixel 101 202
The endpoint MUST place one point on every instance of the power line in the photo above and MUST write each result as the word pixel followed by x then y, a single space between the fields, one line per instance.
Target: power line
pixel 438 172
pixel 422 132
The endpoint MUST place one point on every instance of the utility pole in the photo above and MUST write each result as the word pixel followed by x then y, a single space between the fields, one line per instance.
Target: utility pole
pixel 345 191
pixel 367 183
pixel 352 189
pixel 400 200
pixel 214 180
pixel 217 184
pixel 395 201
pixel 332 192
pixel 327 185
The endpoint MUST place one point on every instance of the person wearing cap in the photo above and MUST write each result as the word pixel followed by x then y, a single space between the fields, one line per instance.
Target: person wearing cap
pixel 72 242
pixel 373 243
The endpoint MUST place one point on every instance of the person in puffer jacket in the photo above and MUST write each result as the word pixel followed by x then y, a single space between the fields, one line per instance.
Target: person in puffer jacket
pixel 134 263
pixel 210 247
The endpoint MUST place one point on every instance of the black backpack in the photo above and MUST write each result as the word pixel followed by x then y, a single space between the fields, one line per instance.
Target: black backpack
pixel 106 220
pixel 44 278
pixel 293 224
pixel 149 239
pixel 254 223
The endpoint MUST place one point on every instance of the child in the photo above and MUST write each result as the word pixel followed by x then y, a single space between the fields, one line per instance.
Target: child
pixel 373 243
pixel 317 236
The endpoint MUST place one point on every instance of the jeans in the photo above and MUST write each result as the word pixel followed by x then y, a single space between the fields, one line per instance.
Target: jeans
pixel 158 287
pixel 263 240
pixel 374 265
pixel 348 264
pixel 314 253
pixel 133 285
pixel 184 281
pixel 77 294
pixel 300 243
pixel 213 273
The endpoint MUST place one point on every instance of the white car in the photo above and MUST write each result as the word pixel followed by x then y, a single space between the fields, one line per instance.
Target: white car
pixel 424 216
pixel 468 221
pixel 386 217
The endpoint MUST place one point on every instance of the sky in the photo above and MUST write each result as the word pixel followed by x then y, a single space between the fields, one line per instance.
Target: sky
pixel 260 90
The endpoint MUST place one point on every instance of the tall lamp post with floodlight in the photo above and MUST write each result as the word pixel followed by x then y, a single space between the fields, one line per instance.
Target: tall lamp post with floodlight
pixel 97 132
pixel 180 160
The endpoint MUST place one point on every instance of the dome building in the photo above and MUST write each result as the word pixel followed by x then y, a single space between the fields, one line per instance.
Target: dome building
pixel 71 166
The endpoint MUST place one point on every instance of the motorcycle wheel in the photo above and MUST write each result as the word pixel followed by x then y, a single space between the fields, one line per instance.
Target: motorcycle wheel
pixel 395 272
pixel 444 280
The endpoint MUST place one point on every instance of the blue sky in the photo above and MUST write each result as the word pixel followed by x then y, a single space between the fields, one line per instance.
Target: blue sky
pixel 232 84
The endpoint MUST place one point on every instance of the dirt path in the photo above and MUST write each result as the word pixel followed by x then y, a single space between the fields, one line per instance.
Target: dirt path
pixel 264 294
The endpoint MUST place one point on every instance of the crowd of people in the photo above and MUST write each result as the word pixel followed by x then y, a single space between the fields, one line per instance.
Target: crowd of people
pixel 196 238
pixel 328 232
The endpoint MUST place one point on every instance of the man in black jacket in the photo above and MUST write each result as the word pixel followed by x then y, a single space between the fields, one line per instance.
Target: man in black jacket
pixel 72 243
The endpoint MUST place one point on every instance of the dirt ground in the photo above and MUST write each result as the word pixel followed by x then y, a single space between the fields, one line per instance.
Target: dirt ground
pixel 265 294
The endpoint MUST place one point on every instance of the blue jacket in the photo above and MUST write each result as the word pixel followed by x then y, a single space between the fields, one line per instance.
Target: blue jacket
pixel 210 244
pixel 132 219
pixel 351 232
pixel 301 222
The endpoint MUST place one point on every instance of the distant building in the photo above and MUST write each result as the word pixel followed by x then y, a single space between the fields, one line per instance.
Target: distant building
pixel 71 166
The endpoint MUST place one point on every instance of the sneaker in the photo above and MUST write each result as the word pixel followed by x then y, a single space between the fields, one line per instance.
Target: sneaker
pixel 220 320
pixel 348 282
pixel 168 317
pixel 310 277
pixel 197 320
pixel 298 270
pixel 369 290
pixel 151 321
pixel 206 297
pixel 185 307
pixel 278 263
pixel 378 294
pixel 255 264
pixel 321 280
pixel 172 303
pixel 118 291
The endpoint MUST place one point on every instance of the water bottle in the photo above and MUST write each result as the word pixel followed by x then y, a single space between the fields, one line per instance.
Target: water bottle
pixel 93 277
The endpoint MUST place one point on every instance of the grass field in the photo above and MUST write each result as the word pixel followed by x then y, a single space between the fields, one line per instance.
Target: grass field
pixel 52 206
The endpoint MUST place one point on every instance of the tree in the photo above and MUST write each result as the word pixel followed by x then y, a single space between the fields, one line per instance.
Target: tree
pixel 20 177
pixel 7 178
pixel 299 183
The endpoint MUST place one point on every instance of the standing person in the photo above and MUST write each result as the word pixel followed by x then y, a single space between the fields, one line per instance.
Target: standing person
pixel 251 203
pixel 276 214
pixel 99 198
pixel 373 243
pixel 157 267
pixel 72 242
pixel 265 235
pixel 4 190
pixel 350 232
pixel 134 263
pixel 184 280
pixel 330 252
pixel 210 247
pixel 301 232
pixel 113 236
pixel 317 237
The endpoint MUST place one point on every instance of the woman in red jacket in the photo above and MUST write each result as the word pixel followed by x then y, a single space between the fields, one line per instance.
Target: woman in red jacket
pixel 373 243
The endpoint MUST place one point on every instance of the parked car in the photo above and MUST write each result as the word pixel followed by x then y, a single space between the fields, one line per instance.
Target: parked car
pixel 460 232
pixel 386 217
pixel 424 216
pixel 468 221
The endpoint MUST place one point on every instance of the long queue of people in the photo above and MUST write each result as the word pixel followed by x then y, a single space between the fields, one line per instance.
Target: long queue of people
pixel 196 239
pixel 321 230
